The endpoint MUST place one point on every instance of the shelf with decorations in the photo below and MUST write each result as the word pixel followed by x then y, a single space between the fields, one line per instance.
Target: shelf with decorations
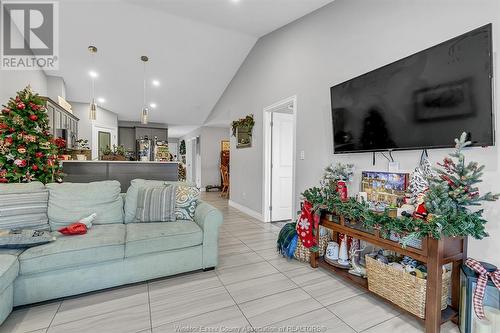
pixel 428 223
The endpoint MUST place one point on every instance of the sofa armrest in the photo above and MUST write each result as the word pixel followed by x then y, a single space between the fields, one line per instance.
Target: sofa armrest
pixel 209 219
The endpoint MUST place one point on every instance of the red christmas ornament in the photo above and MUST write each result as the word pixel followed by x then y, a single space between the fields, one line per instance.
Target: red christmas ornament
pixel 4 180
pixel 8 141
pixel 6 111
pixel 20 163
pixel 21 150
pixel 33 117
pixel 12 130
pixel 21 106
pixel 34 167
pixel 38 154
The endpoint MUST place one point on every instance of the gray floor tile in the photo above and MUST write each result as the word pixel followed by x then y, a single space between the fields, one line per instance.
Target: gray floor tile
pixel 30 319
pixel 228 319
pixel 278 307
pixel 373 311
pixel 256 288
pixel 246 272
pixel 177 306
pixel 133 319
pixel 231 260
pixel 320 320
pixel 100 303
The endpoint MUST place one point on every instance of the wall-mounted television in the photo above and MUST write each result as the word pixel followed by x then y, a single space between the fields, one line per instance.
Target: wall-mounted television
pixel 422 101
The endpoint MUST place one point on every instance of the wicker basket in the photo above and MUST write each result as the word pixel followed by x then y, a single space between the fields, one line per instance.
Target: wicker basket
pixel 304 254
pixel 401 288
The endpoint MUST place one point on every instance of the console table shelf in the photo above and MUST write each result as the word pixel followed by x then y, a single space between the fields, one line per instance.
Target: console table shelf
pixel 434 253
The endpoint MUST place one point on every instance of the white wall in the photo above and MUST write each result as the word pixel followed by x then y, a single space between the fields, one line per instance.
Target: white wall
pixel 336 43
pixel 56 87
pixel 13 81
pixel 210 144
pixel 105 119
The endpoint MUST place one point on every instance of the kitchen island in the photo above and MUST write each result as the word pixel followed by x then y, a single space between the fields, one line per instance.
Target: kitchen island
pixel 122 171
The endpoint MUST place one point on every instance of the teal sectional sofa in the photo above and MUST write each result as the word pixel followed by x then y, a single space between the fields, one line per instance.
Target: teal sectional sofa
pixel 112 253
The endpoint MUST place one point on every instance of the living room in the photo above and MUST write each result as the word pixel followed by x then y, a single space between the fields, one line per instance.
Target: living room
pixel 226 94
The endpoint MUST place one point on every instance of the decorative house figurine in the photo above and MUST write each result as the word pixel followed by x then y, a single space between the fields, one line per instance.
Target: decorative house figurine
pixel 332 251
pixel 490 304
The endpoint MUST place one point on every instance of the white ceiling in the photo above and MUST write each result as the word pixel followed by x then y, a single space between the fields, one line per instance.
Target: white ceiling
pixel 195 48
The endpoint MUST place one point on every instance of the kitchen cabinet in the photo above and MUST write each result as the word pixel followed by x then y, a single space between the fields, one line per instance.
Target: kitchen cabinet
pixel 61 122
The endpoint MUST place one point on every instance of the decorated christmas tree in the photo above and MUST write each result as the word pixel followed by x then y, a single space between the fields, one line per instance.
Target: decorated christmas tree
pixel 27 148
pixel 453 193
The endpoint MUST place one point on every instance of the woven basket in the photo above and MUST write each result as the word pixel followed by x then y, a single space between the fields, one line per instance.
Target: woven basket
pixel 401 288
pixel 304 254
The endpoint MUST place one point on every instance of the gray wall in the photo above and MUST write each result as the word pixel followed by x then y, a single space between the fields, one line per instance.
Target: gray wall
pixel 329 46
pixel 210 139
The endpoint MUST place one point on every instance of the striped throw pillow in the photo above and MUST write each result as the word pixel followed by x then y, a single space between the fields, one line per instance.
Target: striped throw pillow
pixel 156 204
pixel 27 210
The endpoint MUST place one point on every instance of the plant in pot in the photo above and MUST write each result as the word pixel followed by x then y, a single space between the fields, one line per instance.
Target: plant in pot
pixel 116 153
pixel 81 149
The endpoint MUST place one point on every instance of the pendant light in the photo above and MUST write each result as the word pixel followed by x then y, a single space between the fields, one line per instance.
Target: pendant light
pixel 93 106
pixel 145 110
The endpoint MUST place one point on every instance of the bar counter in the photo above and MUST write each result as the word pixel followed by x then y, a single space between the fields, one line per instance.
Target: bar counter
pixel 123 171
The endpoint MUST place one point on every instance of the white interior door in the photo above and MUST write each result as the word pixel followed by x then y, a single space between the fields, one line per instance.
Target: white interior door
pixel 282 166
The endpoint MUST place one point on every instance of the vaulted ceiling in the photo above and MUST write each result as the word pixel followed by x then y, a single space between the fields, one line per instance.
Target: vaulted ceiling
pixel 195 48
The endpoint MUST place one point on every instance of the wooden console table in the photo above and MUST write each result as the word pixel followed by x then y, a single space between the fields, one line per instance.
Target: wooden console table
pixel 434 253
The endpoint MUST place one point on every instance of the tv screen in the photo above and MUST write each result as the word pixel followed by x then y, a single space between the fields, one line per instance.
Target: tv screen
pixel 422 101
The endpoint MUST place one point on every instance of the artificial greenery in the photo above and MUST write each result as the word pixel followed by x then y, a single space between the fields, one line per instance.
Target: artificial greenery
pixel 248 122
pixel 82 144
pixel 336 172
pixel 28 151
pixel 451 194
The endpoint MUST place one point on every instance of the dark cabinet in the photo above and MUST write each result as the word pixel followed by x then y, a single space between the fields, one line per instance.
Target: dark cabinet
pixel 61 122
pixel 126 138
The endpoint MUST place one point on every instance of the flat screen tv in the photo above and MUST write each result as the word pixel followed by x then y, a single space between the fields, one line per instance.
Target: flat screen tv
pixel 419 102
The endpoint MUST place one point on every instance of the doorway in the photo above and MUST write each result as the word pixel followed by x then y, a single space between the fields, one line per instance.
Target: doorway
pixel 193 161
pixel 103 141
pixel 279 160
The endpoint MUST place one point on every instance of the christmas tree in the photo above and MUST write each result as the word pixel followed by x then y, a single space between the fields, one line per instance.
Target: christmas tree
pixel 453 193
pixel 27 149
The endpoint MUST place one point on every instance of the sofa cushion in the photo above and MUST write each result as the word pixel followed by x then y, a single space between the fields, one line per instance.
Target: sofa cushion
pixel 23 206
pixel 143 238
pixel 9 267
pixel 69 202
pixel 133 193
pixel 101 243
pixel 156 204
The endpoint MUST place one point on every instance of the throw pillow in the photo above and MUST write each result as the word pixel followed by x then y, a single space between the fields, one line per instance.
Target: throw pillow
pixel 133 192
pixel 156 204
pixel 17 239
pixel 23 206
pixel 186 200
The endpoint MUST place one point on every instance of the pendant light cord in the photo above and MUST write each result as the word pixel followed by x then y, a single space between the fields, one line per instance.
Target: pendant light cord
pixel 144 86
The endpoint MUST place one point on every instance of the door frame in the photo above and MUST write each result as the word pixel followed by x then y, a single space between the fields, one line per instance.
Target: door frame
pixel 267 150
pixel 95 139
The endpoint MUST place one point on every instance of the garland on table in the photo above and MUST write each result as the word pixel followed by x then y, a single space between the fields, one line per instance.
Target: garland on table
pixel 450 195
pixel 247 122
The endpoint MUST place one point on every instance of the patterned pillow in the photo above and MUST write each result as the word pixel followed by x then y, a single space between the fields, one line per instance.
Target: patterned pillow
pixel 19 239
pixel 156 204
pixel 186 198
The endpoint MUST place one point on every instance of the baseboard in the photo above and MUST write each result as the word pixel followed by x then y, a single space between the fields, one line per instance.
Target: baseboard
pixel 246 210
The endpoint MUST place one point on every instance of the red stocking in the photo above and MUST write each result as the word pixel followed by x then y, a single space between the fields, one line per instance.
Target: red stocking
pixel 307 221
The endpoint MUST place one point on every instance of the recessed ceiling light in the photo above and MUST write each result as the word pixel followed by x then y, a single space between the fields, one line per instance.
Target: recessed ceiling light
pixel 93 74
pixel 235 1
pixel 101 100
pixel 156 83
pixel 153 105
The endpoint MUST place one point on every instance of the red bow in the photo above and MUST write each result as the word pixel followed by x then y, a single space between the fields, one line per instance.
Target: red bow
pixel 482 281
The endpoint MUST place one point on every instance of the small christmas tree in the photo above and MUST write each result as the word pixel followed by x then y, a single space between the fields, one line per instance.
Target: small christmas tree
pixel 27 149
pixel 453 192
pixel 182 147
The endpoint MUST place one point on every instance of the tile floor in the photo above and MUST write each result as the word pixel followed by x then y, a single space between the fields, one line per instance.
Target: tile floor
pixel 251 288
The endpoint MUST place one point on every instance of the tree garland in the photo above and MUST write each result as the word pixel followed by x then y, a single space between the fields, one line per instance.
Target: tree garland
pixel 247 122
pixel 451 192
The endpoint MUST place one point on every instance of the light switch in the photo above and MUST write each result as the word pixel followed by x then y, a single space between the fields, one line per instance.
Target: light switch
pixel 302 155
